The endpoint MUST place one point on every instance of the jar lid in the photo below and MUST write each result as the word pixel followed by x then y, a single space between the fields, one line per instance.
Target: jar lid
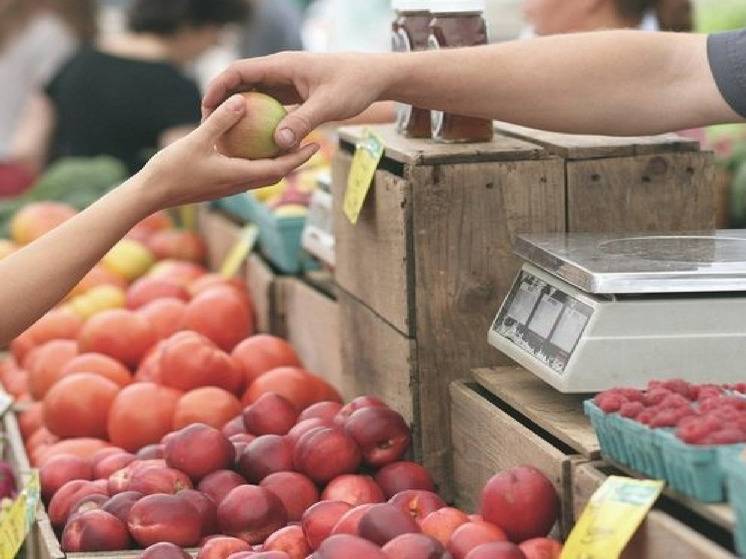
pixel 456 6
pixel 410 5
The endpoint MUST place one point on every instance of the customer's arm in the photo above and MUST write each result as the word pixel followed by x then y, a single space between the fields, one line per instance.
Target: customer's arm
pixel 30 144
pixel 190 170
pixel 616 82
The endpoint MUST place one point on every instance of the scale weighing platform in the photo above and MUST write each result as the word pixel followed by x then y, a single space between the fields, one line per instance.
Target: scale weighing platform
pixel 589 312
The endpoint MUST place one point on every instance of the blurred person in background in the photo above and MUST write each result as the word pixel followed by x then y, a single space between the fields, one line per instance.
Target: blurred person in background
pixel 36 38
pixel 127 95
pixel 551 17
pixel 275 26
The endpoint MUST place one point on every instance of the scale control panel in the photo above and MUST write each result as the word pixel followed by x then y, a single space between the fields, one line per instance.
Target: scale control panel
pixel 543 321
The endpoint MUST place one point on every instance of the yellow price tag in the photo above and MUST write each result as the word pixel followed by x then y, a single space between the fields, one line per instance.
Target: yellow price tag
pixel 16 520
pixel 188 217
pixel 368 153
pixel 611 518
pixel 240 251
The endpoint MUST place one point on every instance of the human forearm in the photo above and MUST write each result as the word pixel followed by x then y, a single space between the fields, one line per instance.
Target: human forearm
pixel 616 83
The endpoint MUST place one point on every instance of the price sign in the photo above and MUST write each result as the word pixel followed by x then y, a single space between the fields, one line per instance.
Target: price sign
pixel 368 153
pixel 611 518
pixel 17 519
pixel 240 251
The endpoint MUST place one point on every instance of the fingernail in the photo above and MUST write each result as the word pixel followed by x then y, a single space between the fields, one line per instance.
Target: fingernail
pixel 286 137
pixel 236 103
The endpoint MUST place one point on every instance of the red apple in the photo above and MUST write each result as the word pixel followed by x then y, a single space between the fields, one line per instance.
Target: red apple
pixel 350 521
pixel 291 540
pixel 496 550
pixel 164 550
pixel 251 513
pixel 120 505
pixel 345 546
pixel 522 501
pixel 296 491
pixel 95 530
pixel 400 476
pixel 325 411
pixel 441 524
pixel 383 522
pixel 206 507
pixel 357 404
pixel 265 455
pixel 198 450
pixel 541 548
pixel 471 535
pixel 271 414
pixel 417 503
pixel 165 518
pixel 325 453
pixel 58 470
pixel 222 547
pixel 382 434
pixel 415 546
pixel 319 520
pixel 218 484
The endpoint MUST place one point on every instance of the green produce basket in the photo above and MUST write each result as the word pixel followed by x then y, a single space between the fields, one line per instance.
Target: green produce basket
pixel 237 206
pixel 735 468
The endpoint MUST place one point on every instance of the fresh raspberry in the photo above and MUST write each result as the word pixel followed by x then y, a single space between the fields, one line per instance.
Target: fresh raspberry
pixel 726 435
pixel 610 402
pixel 647 415
pixel 655 396
pixel 705 391
pixel 631 409
pixel 693 430
pixel 679 386
pixel 674 401
pixel 670 417
pixel 631 394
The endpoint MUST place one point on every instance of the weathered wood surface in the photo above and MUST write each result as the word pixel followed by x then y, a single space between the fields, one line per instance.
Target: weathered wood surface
pixel 220 235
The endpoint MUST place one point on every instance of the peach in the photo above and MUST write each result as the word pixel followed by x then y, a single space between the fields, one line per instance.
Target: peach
pixel 148 289
pixel 296 491
pixel 110 464
pixel 61 469
pixel 357 404
pixel 104 453
pixel 471 535
pixel 325 411
pixel 66 497
pixel 93 501
pixel 382 434
pixel 222 547
pixel 353 489
pixel 153 451
pixel 156 479
pixel 400 476
pixel 245 438
pixel 303 427
pixel 383 522
pixel 120 480
pixel 206 507
pixel 265 455
pixel 165 518
pixel 251 513
pixel 415 546
pixel 291 540
pixel 541 548
pixel 270 415
pixel 319 520
pixel 253 136
pixel 350 521
pixel 344 546
pixel 417 503
pixel 95 530
pixel 164 550
pixel 218 484
pixel 234 427
pixel 120 504
pixel 522 501
pixel 198 450
pixel 440 524
pixel 496 550
pixel 325 453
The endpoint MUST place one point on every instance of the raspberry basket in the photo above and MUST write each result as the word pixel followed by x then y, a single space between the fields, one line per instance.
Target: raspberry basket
pixel 696 471
pixel 735 467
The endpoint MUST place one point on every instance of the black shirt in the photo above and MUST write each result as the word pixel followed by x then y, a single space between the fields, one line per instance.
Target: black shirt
pixel 727 55
pixel 108 105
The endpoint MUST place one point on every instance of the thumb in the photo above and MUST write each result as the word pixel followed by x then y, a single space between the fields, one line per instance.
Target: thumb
pixel 223 119
pixel 300 122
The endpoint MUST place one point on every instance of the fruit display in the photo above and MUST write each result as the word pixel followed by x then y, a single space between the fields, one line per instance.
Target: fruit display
pixel 673 430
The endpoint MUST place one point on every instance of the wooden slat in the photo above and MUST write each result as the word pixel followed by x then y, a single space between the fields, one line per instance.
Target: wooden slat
pixel 374 260
pixel 465 220
pixel 644 193
pixel 313 330
pixel 220 235
pixel 660 535
pixel 260 281
pixel 414 151
pixel 577 146
pixel 559 414
pixel 486 440
pixel 380 360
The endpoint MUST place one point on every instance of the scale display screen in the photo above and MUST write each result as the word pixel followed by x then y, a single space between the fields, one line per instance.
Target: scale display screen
pixel 542 320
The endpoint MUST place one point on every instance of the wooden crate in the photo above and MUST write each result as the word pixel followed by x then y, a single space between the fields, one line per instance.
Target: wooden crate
pixel 662 534
pixel 488 438
pixel 617 184
pixel 423 272
pixel 312 325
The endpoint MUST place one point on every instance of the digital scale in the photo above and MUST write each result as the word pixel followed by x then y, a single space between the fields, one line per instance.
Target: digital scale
pixel 318 233
pixel 589 312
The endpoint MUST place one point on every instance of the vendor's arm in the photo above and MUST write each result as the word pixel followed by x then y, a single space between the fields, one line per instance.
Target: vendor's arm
pixel 190 170
pixel 616 82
